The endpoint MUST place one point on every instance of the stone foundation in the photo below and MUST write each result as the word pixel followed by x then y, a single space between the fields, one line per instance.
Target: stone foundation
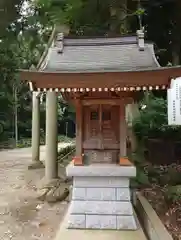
pixel 36 165
pixel 101 197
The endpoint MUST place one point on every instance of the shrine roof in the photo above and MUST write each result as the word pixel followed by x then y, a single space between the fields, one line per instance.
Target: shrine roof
pixel 99 54
pixel 121 63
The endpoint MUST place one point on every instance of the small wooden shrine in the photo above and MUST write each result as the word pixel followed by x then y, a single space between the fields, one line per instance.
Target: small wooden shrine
pixel 100 77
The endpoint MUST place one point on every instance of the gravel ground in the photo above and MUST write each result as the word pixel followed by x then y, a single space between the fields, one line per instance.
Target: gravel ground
pixel 22 216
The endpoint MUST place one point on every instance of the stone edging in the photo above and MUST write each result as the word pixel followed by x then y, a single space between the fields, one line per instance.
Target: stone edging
pixel 152 225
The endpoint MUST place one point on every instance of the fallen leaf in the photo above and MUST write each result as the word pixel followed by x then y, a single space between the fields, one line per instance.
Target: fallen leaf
pixel 38 207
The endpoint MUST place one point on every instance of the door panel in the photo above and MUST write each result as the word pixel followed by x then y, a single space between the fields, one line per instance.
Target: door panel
pixel 101 133
pixel 91 127
pixel 110 126
pixel 101 127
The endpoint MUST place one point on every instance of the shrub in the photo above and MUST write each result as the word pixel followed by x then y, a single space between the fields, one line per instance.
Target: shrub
pixel 70 149
pixel 154 174
pixel 141 179
pixel 152 121
pixel 173 194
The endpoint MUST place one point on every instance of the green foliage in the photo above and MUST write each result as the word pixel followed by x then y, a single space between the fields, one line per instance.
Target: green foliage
pixel 154 174
pixel 140 11
pixel 152 120
pixel 142 177
pixel 85 17
pixel 10 11
pixel 170 177
pixel 8 66
pixel 65 152
pixel 173 194
pixel 58 12
pixel 141 180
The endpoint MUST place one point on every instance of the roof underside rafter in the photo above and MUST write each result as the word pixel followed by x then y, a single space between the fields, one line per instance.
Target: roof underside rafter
pixel 105 81
pixel 81 90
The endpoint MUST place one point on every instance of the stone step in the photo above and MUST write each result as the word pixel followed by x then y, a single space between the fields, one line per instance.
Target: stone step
pixel 101 208
pixel 103 182
pixel 102 222
pixel 101 194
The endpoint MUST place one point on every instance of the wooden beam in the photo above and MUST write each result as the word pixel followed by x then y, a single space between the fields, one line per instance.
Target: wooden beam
pixel 79 129
pixel 88 102
pixel 123 130
pixel 156 77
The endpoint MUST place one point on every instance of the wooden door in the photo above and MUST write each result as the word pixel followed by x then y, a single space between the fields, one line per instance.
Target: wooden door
pixel 109 129
pixel 91 127
pixel 101 132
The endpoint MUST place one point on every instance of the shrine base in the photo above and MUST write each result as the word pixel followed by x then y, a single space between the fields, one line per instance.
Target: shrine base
pixel 101 197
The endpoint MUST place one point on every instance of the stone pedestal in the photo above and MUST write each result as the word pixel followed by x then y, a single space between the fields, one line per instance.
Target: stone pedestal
pixel 101 197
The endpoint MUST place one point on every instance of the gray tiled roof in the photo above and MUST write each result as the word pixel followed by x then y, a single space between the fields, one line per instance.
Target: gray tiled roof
pixel 100 54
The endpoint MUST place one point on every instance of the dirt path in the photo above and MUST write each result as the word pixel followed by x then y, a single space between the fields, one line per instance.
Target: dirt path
pixel 22 216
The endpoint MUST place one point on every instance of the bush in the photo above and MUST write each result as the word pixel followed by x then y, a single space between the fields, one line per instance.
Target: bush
pixel 26 142
pixel 173 194
pixel 154 174
pixel 170 177
pixel 70 149
pixel 62 138
pixel 152 121
pixel 141 179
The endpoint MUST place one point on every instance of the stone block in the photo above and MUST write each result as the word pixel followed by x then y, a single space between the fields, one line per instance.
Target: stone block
pixel 101 182
pixel 152 233
pixel 123 194
pixel 96 194
pixel 76 221
pixel 101 208
pixel 101 222
pixel 100 170
pixel 101 194
pixel 79 193
pixel 126 223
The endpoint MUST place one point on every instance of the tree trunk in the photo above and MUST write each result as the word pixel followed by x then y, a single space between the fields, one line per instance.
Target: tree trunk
pixel 176 36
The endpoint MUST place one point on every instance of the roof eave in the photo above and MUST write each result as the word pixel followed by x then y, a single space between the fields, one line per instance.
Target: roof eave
pixel 148 77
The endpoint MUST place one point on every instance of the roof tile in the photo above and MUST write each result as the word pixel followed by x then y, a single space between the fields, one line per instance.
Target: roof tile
pixel 100 55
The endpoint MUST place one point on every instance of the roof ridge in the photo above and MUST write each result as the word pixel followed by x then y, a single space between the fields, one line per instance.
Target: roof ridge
pixel 99 41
